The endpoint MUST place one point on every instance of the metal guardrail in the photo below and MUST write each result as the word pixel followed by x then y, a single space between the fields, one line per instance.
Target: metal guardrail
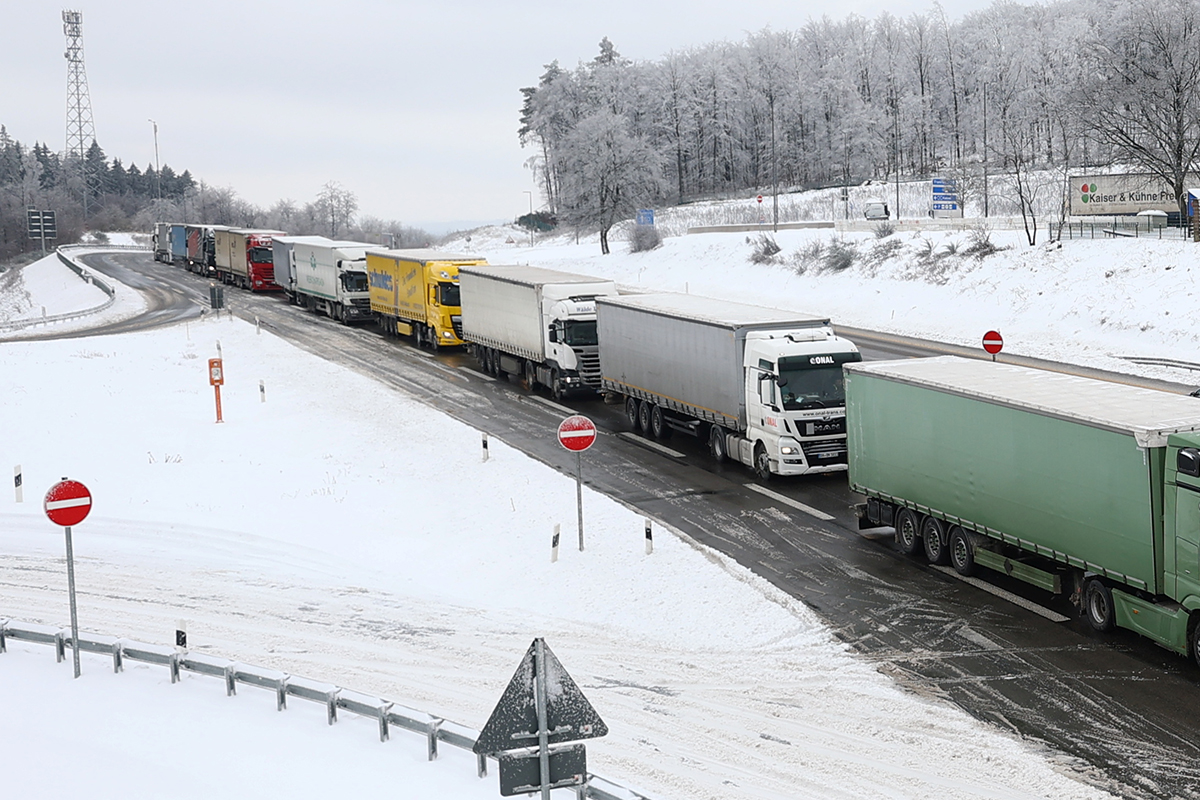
pixel 434 729
pixel 77 268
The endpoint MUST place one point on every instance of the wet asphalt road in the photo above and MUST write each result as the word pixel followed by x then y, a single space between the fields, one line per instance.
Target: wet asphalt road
pixel 1124 708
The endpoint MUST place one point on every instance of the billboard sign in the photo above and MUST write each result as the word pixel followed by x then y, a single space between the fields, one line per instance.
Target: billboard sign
pixel 1123 194
pixel 945 201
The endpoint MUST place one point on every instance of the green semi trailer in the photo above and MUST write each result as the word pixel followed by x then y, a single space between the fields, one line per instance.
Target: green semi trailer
pixel 1072 484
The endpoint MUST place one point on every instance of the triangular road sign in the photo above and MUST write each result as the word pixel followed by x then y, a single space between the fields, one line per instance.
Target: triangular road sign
pixel 514 722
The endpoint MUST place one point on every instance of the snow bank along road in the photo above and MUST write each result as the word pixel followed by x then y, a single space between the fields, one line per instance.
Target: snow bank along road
pixel 1118 703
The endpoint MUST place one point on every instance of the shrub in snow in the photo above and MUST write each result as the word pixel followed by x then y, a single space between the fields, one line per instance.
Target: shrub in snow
pixel 981 244
pixel 764 249
pixel 884 230
pixel 839 256
pixel 881 252
pixel 643 238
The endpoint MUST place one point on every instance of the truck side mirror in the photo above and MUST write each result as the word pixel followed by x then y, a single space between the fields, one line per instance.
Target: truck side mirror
pixel 553 332
pixel 1188 462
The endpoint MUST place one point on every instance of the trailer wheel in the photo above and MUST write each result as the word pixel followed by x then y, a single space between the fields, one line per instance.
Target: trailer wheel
pixel 961 552
pixel 908 532
pixel 762 462
pixel 631 411
pixel 716 443
pixel 1098 605
pixel 644 409
pixel 933 533
pixel 658 424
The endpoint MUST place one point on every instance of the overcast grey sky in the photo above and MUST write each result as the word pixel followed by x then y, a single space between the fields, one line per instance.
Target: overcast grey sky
pixel 412 106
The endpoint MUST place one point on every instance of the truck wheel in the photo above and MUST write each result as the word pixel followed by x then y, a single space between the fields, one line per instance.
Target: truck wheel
pixel 644 408
pixel 556 387
pixel 933 533
pixel 908 532
pixel 762 462
pixel 717 444
pixel 961 552
pixel 530 379
pixel 1098 605
pixel 658 424
pixel 631 411
pixel 1194 639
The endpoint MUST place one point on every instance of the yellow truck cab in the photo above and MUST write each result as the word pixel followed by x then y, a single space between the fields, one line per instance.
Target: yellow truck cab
pixel 415 293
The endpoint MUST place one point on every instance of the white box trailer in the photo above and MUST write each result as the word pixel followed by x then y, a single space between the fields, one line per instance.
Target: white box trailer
pixel 763 385
pixel 538 324
pixel 162 242
pixel 331 278
pixel 285 265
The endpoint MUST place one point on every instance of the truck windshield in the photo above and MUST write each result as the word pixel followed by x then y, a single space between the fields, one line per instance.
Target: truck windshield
pixel 814 381
pixel 261 255
pixel 355 282
pixel 580 333
pixel 448 294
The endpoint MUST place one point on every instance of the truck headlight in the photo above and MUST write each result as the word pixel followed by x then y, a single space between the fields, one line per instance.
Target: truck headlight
pixel 446 334
pixel 788 450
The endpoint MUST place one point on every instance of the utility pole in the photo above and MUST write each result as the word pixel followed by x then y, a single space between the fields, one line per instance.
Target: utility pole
pixel 985 153
pixel 157 168
pixel 81 130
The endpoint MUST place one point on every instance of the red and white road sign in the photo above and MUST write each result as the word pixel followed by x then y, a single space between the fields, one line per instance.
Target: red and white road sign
pixel 68 503
pixel 216 372
pixel 577 433
pixel 992 342
pixel 760 198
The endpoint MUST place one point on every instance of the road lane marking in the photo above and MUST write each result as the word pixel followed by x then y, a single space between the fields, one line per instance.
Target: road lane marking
pixel 787 501
pixel 1028 605
pixel 477 374
pixel 633 437
pixel 552 404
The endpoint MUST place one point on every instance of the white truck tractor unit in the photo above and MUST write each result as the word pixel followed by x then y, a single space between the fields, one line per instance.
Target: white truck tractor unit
pixel 538 324
pixel 763 386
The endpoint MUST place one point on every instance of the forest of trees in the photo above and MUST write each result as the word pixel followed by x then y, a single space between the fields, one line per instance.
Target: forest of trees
pixel 1014 88
pixel 121 198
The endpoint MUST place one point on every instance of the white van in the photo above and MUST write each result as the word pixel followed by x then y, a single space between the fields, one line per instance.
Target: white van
pixel 876 211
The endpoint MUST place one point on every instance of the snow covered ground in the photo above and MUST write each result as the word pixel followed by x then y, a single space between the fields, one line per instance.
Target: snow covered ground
pixel 47 288
pixel 1092 302
pixel 343 532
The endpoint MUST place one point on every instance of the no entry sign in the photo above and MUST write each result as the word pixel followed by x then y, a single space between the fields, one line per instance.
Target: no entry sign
pixel 577 433
pixel 992 342
pixel 68 503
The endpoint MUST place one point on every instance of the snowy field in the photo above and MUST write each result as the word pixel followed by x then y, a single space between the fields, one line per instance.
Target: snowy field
pixel 343 532
pixel 1091 302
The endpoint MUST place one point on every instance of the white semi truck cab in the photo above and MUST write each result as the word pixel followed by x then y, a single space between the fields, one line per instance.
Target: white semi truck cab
pixel 795 402
pixel 571 342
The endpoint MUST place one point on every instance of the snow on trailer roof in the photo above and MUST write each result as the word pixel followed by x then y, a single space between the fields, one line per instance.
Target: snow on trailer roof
pixel 520 273
pixel 715 311
pixel 1148 415
pixel 423 255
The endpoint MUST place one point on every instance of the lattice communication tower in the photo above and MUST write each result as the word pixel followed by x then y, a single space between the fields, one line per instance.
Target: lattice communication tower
pixel 81 131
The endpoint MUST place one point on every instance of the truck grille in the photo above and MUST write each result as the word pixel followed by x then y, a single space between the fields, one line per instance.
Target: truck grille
pixel 361 302
pixel 830 451
pixel 456 321
pixel 589 367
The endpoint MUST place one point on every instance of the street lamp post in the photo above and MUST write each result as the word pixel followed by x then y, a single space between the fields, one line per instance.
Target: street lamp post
pixel 530 193
pixel 157 168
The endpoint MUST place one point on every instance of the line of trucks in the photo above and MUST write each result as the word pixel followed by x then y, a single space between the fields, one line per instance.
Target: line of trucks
pixel 1074 485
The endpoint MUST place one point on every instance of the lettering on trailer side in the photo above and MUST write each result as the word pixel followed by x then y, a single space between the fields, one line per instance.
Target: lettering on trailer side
pixel 380 280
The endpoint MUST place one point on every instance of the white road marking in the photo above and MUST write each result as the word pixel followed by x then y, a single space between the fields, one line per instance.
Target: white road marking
pixel 478 374
pixel 74 502
pixel 633 437
pixel 552 404
pixel 1028 605
pixel 787 501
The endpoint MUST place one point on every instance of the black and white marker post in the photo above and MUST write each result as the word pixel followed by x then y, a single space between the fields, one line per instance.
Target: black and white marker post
pixel 18 479
pixel 68 503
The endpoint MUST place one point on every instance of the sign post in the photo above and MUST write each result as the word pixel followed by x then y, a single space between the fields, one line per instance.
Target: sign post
pixel 68 503
pixel 216 379
pixel 577 434
pixel 993 343
pixel 540 710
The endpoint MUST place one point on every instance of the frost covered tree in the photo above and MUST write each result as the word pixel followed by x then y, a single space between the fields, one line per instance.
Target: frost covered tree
pixel 336 207
pixel 606 173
